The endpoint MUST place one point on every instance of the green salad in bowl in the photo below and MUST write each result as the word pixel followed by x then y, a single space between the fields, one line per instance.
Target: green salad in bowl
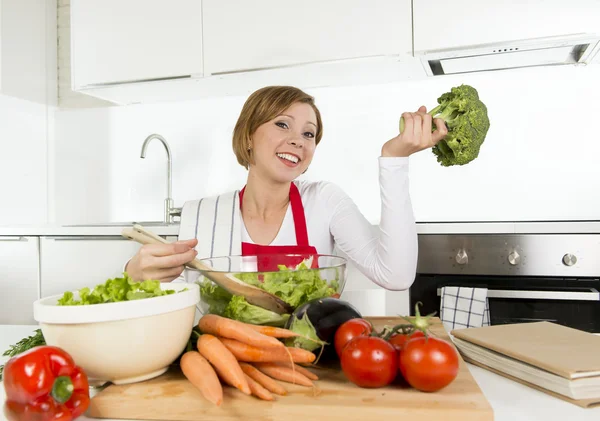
pixel 296 283
pixel 113 291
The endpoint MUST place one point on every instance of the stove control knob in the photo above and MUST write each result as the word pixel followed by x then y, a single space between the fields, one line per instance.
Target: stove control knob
pixel 462 258
pixel 514 258
pixel 569 259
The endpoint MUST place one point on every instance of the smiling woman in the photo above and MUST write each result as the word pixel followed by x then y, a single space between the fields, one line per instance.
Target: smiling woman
pixel 275 139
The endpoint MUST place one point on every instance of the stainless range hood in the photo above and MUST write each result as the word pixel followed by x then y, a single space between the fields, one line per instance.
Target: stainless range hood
pixel 551 51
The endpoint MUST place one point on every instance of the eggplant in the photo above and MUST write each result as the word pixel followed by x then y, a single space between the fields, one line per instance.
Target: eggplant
pixel 318 320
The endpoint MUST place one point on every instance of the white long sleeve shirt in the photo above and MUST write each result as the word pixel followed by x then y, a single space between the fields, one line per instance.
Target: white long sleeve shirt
pixel 388 256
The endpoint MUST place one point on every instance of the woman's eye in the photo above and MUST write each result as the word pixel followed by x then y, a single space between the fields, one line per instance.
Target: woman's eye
pixel 309 134
pixel 282 124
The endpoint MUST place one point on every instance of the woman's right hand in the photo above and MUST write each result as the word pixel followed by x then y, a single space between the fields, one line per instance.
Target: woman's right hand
pixel 163 262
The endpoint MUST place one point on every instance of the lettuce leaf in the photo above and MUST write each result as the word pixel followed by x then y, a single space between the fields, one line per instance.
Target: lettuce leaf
pixel 294 286
pixel 115 290
pixel 239 309
pixel 215 296
pixel 222 303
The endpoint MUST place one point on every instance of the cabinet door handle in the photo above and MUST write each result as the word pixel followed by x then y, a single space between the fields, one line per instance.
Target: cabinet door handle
pixel 13 238
pixel 592 295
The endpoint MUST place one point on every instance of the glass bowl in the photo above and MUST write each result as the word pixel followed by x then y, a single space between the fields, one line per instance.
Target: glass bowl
pixel 294 278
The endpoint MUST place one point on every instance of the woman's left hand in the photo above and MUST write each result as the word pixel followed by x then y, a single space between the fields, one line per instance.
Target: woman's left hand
pixel 417 135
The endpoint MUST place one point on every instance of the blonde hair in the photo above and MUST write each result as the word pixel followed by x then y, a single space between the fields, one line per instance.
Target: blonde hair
pixel 264 105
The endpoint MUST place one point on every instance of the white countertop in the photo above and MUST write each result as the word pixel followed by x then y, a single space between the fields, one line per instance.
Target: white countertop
pixel 546 227
pixel 110 229
pixel 81 230
pixel 510 400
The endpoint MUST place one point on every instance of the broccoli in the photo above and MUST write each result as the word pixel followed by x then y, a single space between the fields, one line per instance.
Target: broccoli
pixel 467 121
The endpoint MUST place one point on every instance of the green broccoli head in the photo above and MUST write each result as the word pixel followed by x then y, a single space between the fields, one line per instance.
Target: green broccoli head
pixel 467 121
pixel 459 147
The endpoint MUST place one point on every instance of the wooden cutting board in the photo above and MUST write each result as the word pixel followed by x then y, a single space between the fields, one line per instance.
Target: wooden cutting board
pixel 172 397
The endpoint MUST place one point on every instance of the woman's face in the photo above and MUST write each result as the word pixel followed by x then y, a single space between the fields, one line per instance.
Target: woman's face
pixel 284 147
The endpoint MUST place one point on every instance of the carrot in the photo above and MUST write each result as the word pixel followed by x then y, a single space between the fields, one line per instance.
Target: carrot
pixel 258 390
pixel 285 374
pixel 307 373
pixel 202 375
pixel 266 381
pixel 223 361
pixel 275 332
pixel 249 353
pixel 232 329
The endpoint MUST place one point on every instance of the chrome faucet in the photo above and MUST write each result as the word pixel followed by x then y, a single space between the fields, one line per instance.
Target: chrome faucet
pixel 170 211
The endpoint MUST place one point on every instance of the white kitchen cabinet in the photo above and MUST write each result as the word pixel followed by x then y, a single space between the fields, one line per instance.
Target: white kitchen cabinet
pixel 19 279
pixel 244 35
pixel 439 24
pixel 24 51
pixel 116 41
pixel 72 262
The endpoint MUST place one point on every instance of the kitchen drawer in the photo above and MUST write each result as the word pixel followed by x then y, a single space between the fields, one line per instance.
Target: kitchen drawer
pixel 19 279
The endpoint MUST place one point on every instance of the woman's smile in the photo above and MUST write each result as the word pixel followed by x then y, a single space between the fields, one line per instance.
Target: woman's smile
pixel 289 159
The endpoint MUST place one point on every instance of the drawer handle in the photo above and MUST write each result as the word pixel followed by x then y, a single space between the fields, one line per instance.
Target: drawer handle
pixel 12 238
pixel 592 295
pixel 85 237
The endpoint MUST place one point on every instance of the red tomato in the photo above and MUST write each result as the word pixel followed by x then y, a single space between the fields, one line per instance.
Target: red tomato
pixel 350 330
pixel 399 339
pixel 369 361
pixel 428 364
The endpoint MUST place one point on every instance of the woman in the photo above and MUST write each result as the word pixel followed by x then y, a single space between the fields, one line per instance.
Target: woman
pixel 275 139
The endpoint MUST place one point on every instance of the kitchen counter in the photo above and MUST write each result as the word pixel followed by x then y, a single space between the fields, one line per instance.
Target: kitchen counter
pixel 573 227
pixel 550 227
pixel 81 230
pixel 510 400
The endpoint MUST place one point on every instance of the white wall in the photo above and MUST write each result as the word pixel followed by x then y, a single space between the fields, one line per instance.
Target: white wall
pixel 539 161
pixel 23 189
pixel 27 101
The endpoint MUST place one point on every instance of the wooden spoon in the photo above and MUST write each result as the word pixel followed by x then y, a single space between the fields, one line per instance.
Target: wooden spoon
pixel 253 295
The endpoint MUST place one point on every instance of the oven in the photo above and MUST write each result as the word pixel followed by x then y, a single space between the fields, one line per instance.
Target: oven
pixel 529 277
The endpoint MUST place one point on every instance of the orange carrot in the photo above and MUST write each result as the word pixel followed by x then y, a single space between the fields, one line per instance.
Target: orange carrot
pixel 232 329
pixel 202 375
pixel 264 380
pixel 223 361
pixel 307 373
pixel 258 390
pixel 249 353
pixel 285 374
pixel 274 332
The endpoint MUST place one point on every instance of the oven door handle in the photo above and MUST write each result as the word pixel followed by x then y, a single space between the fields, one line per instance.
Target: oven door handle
pixel 592 295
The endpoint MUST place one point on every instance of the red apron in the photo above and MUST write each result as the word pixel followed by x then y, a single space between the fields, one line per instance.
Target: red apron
pixel 265 260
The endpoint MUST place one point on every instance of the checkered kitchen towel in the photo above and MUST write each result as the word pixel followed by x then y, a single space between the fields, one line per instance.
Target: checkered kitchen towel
pixel 463 307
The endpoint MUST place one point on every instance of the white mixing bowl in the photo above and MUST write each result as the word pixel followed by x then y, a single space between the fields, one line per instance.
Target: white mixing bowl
pixel 123 342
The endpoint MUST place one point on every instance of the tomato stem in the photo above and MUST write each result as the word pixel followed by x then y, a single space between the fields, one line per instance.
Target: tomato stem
pixel 421 322
pixel 405 328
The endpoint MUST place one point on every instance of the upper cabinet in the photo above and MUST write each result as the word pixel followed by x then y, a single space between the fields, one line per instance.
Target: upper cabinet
pixel 129 51
pixel 439 24
pixel 242 35
pixel 115 41
pixel 27 50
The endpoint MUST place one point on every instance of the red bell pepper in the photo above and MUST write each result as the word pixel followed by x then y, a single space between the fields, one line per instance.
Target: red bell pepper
pixel 43 384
